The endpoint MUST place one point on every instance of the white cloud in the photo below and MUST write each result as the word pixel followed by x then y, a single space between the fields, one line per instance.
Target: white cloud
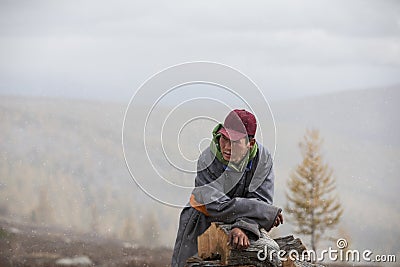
pixel 99 44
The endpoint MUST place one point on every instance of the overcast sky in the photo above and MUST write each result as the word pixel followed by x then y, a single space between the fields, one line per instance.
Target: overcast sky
pixel 106 49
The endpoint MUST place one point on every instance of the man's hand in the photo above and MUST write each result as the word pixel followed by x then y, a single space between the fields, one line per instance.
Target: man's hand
pixel 238 239
pixel 279 220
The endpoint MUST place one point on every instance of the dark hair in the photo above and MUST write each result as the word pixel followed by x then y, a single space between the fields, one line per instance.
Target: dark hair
pixel 249 137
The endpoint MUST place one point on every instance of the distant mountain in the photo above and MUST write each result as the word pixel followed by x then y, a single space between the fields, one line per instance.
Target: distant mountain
pixel 361 132
pixel 370 115
pixel 62 162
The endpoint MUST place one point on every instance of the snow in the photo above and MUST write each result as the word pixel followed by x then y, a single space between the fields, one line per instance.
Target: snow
pixel 80 260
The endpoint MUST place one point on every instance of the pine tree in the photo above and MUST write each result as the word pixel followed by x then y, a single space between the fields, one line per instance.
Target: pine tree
pixel 43 213
pixel 150 230
pixel 95 219
pixel 312 207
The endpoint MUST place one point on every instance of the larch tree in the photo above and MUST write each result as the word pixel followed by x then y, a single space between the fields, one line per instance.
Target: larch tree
pixel 311 205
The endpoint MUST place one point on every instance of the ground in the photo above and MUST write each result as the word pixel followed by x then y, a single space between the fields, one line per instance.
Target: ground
pixel 26 245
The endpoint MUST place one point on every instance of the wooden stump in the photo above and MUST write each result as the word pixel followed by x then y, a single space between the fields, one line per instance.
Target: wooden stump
pixel 214 250
pixel 214 243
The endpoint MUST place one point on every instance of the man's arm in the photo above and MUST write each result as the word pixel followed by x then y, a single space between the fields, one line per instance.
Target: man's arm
pixel 249 212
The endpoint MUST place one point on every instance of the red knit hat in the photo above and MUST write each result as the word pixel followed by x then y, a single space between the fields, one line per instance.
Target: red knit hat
pixel 238 124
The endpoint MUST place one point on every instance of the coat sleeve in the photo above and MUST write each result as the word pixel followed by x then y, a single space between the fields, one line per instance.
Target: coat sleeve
pixel 247 213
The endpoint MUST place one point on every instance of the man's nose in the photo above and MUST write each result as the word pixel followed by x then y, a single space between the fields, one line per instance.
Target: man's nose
pixel 228 144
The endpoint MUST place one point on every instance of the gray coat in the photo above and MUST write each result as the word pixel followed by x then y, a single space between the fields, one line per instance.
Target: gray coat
pixel 243 199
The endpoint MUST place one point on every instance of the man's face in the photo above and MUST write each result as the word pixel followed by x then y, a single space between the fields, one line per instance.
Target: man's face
pixel 234 151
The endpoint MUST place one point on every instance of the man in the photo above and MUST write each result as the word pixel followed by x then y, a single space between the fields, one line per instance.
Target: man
pixel 234 184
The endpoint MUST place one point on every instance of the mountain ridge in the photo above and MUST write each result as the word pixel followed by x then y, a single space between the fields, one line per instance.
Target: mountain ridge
pixel 70 151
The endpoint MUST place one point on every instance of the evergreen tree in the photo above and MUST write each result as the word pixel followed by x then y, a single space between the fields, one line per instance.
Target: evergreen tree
pixel 150 230
pixel 311 206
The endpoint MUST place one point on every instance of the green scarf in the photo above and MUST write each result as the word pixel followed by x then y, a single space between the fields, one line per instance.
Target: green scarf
pixel 216 150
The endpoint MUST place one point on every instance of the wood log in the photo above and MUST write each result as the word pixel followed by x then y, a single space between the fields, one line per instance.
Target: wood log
pixel 214 250
pixel 214 244
pixel 289 244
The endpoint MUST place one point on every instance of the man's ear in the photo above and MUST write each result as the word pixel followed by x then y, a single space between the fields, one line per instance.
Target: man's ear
pixel 252 141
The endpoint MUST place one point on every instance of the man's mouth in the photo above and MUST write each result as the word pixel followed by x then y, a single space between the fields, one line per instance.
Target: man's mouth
pixel 226 153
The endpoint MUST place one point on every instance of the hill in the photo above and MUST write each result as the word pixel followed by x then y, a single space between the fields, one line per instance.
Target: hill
pixel 62 164
pixel 361 143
